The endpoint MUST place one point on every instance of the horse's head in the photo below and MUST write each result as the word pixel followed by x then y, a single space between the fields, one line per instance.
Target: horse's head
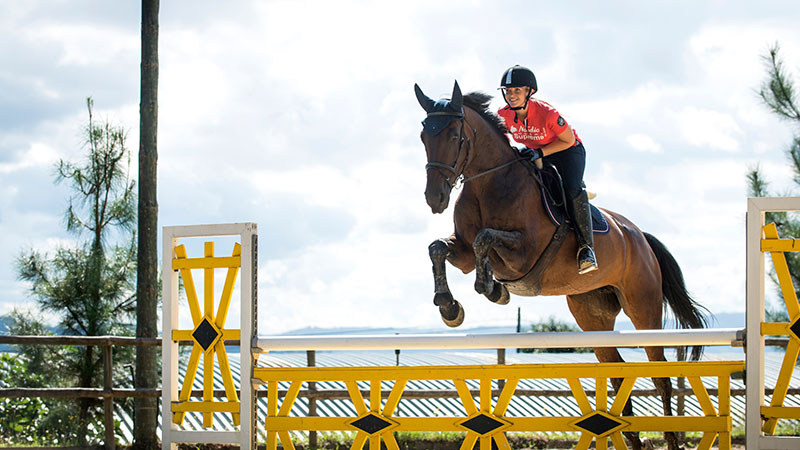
pixel 443 136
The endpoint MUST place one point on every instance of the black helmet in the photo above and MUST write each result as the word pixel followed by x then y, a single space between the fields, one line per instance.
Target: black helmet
pixel 519 76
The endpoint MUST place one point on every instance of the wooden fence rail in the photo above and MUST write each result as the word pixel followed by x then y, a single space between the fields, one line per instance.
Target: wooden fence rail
pixel 107 393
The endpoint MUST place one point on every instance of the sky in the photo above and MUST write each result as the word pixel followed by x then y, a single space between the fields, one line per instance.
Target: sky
pixel 301 116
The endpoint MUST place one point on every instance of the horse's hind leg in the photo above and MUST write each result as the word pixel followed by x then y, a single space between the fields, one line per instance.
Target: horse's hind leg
pixel 487 240
pixel 644 307
pixel 664 388
pixel 597 311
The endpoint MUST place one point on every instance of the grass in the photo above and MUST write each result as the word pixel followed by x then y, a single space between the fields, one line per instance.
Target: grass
pixel 408 440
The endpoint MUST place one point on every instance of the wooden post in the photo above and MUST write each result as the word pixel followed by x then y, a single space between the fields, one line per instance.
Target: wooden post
pixel 311 356
pixel 108 401
pixel 145 410
pixel 501 359
pixel 681 356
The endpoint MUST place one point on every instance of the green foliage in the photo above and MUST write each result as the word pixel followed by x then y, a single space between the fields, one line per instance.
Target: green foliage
pixel 89 285
pixel 553 325
pixel 32 421
pixel 778 90
pixel 20 415
pixel 778 93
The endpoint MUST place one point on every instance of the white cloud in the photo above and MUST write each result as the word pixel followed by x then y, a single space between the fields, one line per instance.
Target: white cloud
pixel 643 143
pixel 79 42
pixel 38 154
pixel 708 129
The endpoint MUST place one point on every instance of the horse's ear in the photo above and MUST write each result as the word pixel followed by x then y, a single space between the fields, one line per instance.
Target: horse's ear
pixel 424 100
pixel 457 100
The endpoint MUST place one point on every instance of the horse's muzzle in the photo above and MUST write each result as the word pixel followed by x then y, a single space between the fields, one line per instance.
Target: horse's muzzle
pixel 438 199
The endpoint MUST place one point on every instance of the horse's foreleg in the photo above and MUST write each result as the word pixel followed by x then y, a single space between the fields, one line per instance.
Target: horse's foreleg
pixel 440 251
pixel 487 240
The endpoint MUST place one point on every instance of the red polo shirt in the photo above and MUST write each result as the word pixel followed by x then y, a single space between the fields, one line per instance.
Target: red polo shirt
pixel 542 126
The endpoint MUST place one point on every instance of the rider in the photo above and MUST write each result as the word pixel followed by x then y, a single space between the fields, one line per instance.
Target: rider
pixel 546 135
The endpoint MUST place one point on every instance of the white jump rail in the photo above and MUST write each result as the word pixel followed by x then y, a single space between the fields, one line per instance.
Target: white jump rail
pixel 453 341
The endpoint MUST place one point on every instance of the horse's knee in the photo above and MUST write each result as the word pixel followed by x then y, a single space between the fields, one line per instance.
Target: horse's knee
pixel 438 250
pixel 483 241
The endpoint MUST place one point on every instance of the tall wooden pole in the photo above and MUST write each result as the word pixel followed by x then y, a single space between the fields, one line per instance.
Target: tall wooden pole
pixel 146 409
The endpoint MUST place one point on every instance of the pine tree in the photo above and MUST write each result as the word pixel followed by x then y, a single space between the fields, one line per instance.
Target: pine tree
pixel 779 95
pixel 90 285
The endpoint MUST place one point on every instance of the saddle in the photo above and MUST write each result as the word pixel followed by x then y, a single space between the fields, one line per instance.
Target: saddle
pixel 555 205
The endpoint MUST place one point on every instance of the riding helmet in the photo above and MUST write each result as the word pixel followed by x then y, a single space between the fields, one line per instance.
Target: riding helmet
pixel 518 76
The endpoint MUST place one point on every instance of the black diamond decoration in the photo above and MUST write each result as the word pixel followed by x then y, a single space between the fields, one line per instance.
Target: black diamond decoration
pixel 482 424
pixel 205 334
pixel 795 328
pixel 371 424
pixel 598 424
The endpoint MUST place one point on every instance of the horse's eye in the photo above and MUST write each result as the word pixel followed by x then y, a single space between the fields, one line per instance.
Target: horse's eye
pixel 454 138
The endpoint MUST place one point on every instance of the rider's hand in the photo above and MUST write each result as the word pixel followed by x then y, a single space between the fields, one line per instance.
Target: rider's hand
pixel 532 153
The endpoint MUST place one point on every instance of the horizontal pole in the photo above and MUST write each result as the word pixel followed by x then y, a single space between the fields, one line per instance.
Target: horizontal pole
pixel 781 412
pixel 633 338
pixel 519 424
pixel 79 393
pixel 205 436
pixel 125 341
pixel 333 394
pixel 80 340
pixel 413 394
pixel 206 406
pixel 780 245
pixel 72 447
pixel 97 341
pixel 501 372
pixel 211 262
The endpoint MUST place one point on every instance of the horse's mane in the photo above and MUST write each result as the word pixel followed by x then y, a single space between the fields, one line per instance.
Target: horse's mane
pixel 479 102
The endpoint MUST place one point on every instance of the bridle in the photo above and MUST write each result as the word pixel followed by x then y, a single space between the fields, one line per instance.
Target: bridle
pixel 438 166
pixel 459 174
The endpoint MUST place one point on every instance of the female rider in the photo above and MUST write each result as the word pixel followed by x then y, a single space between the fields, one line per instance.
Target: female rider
pixel 546 134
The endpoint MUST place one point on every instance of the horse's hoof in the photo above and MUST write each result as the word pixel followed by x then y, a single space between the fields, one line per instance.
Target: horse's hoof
pixel 452 314
pixel 499 294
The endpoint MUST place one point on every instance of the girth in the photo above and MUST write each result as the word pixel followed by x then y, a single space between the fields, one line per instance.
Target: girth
pixel 530 284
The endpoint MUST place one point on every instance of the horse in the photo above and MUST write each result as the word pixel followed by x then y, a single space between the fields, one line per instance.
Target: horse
pixel 503 233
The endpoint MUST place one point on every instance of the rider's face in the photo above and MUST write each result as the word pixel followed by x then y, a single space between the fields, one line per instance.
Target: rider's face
pixel 515 96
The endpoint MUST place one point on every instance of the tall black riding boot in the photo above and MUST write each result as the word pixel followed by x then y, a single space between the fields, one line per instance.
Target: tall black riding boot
pixel 582 216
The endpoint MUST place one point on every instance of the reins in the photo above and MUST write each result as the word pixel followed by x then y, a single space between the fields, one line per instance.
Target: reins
pixel 460 179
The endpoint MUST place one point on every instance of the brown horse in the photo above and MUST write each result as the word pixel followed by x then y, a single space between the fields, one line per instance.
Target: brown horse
pixel 502 230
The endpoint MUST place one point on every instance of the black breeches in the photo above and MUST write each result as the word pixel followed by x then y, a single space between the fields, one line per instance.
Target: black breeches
pixel 570 164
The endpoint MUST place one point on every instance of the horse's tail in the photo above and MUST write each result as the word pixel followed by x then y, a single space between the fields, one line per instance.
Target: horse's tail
pixel 687 312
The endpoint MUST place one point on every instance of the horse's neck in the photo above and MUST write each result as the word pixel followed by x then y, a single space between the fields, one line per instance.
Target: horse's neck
pixel 488 150
pixel 491 150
